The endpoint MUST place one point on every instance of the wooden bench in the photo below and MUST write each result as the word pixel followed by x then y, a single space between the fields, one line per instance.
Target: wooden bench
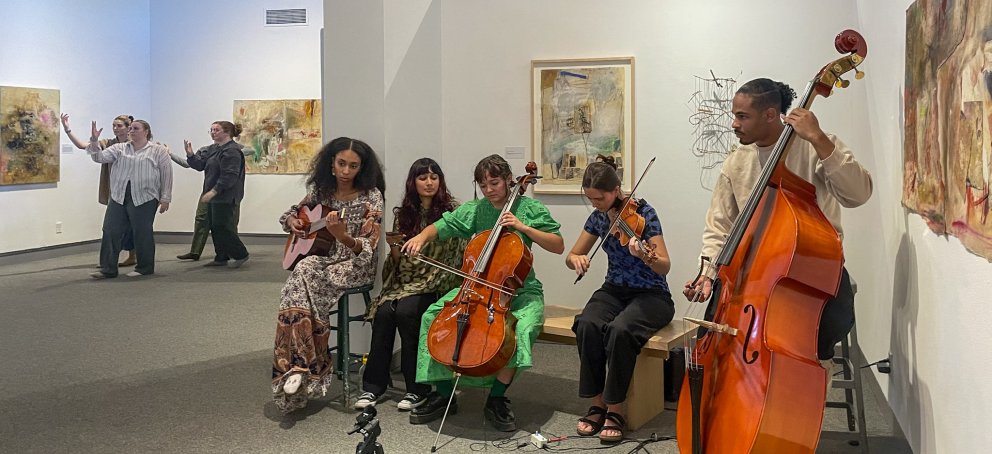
pixel 646 395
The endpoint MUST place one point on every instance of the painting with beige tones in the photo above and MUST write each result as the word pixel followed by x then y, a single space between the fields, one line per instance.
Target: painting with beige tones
pixel 582 109
pixel 280 136
pixel 29 135
pixel 947 155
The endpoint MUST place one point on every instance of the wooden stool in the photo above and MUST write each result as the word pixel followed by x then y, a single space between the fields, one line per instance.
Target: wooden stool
pixel 344 358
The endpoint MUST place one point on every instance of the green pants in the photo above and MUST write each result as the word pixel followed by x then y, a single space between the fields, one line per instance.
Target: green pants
pixel 201 227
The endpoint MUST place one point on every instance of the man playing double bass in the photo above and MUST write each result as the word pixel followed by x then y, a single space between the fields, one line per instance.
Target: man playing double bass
pixel 819 158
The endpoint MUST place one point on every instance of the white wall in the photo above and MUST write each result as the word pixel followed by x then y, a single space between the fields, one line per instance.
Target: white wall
pixel 927 298
pixel 485 49
pixel 96 54
pixel 204 56
pixel 486 53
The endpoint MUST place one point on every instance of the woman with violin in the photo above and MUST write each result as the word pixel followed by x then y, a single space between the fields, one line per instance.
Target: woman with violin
pixel 533 223
pixel 633 303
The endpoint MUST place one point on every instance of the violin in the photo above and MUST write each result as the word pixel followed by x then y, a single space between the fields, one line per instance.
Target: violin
pixel 627 224
pixel 630 224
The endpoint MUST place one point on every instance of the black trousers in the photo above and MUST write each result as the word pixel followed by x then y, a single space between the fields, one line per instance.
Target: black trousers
pixel 224 231
pixel 837 318
pixel 139 220
pixel 610 332
pixel 401 315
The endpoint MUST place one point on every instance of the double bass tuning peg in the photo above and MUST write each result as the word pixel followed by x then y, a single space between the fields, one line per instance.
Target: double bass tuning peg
pixel 842 83
pixel 859 74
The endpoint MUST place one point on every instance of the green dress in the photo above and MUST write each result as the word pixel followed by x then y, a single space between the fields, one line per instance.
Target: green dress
pixel 528 304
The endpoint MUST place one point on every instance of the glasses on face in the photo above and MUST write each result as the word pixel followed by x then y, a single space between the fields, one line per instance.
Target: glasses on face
pixel 212 130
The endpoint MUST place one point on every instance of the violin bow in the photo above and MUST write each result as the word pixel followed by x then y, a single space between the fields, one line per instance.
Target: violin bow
pixel 613 224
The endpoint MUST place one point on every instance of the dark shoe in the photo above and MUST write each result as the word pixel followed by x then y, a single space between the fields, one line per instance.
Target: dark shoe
pixel 498 414
pixel 236 263
pixel 618 425
pixel 216 263
pixel 99 275
pixel 190 256
pixel 595 425
pixel 433 409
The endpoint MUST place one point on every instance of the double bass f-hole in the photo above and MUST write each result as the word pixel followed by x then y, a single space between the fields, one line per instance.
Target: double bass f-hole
pixel 749 309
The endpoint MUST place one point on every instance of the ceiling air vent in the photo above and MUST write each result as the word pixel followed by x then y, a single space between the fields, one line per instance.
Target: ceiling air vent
pixel 283 17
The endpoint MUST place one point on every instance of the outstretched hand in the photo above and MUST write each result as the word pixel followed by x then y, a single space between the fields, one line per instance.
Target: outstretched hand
pixel 65 123
pixel 95 133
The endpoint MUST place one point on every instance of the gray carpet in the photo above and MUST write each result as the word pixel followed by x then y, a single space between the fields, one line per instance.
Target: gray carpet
pixel 180 362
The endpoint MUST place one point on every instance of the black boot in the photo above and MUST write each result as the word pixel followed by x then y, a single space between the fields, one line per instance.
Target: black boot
pixel 433 409
pixel 498 414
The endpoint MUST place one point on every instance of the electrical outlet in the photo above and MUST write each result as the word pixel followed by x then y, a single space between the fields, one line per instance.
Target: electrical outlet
pixel 58 227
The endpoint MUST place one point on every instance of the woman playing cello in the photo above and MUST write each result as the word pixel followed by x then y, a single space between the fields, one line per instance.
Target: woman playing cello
pixel 531 220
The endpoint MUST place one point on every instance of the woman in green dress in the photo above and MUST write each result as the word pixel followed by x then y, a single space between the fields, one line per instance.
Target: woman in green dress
pixel 531 220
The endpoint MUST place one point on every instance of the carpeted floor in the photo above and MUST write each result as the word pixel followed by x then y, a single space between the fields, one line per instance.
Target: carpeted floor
pixel 180 362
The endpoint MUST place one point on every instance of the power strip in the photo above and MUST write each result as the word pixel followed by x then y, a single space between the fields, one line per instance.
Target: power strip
pixel 538 440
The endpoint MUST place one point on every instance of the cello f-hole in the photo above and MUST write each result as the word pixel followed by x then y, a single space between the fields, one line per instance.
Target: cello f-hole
pixel 747 339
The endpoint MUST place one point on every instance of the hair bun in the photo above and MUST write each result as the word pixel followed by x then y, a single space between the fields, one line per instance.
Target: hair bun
pixel 608 160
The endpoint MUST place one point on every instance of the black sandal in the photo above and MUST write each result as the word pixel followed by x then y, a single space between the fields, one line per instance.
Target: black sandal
pixel 596 425
pixel 621 424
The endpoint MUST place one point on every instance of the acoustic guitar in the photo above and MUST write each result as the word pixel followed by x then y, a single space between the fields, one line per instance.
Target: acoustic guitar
pixel 318 239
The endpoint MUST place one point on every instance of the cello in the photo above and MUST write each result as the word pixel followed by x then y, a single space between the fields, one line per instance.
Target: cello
pixel 754 383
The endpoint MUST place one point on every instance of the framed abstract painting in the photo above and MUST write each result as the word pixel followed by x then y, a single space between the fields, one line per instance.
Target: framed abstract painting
pixel 29 135
pixel 582 109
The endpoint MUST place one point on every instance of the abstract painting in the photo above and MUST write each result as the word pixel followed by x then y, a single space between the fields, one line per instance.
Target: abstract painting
pixel 280 136
pixel 582 109
pixel 947 155
pixel 29 135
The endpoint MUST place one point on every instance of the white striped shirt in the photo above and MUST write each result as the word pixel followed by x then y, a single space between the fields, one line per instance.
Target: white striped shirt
pixel 148 169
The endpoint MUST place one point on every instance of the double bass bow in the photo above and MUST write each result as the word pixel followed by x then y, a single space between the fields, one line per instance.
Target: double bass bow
pixel 754 383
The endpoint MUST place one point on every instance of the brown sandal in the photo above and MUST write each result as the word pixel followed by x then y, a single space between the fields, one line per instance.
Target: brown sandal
pixel 596 425
pixel 621 424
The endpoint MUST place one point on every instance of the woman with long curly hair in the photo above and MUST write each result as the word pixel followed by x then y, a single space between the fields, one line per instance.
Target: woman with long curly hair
pixel 409 286
pixel 345 176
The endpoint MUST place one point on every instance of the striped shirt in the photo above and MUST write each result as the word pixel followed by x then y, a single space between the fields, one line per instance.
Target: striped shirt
pixel 147 169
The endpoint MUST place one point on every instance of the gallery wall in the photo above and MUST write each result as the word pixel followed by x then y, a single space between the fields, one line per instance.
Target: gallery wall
pixel 204 56
pixel 928 298
pixel 481 52
pixel 96 54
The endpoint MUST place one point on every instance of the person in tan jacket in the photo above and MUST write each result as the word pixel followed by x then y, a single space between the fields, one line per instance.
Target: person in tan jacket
pixel 819 158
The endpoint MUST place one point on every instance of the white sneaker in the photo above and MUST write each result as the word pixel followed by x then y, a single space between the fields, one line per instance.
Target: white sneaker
pixel 411 401
pixel 292 384
pixel 365 400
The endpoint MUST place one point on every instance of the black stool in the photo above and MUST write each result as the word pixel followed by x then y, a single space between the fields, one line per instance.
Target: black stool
pixel 849 358
pixel 344 357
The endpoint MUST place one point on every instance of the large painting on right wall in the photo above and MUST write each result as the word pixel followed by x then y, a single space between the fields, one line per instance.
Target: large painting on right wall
pixel 947 151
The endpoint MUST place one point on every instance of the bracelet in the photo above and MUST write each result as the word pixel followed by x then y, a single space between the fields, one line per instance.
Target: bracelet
pixel 67 131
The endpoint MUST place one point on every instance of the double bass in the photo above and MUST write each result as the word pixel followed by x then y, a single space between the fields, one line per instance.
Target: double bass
pixel 754 383
pixel 474 333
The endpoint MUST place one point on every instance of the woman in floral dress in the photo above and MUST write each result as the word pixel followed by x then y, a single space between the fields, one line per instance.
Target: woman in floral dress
pixel 345 174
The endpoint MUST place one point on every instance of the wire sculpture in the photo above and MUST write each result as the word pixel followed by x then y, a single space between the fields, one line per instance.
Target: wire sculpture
pixel 711 118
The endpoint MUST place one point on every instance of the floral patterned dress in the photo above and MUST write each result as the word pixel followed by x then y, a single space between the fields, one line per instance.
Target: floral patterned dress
pixel 312 290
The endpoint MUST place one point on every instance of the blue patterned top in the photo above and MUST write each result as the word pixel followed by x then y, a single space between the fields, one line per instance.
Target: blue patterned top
pixel 624 269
